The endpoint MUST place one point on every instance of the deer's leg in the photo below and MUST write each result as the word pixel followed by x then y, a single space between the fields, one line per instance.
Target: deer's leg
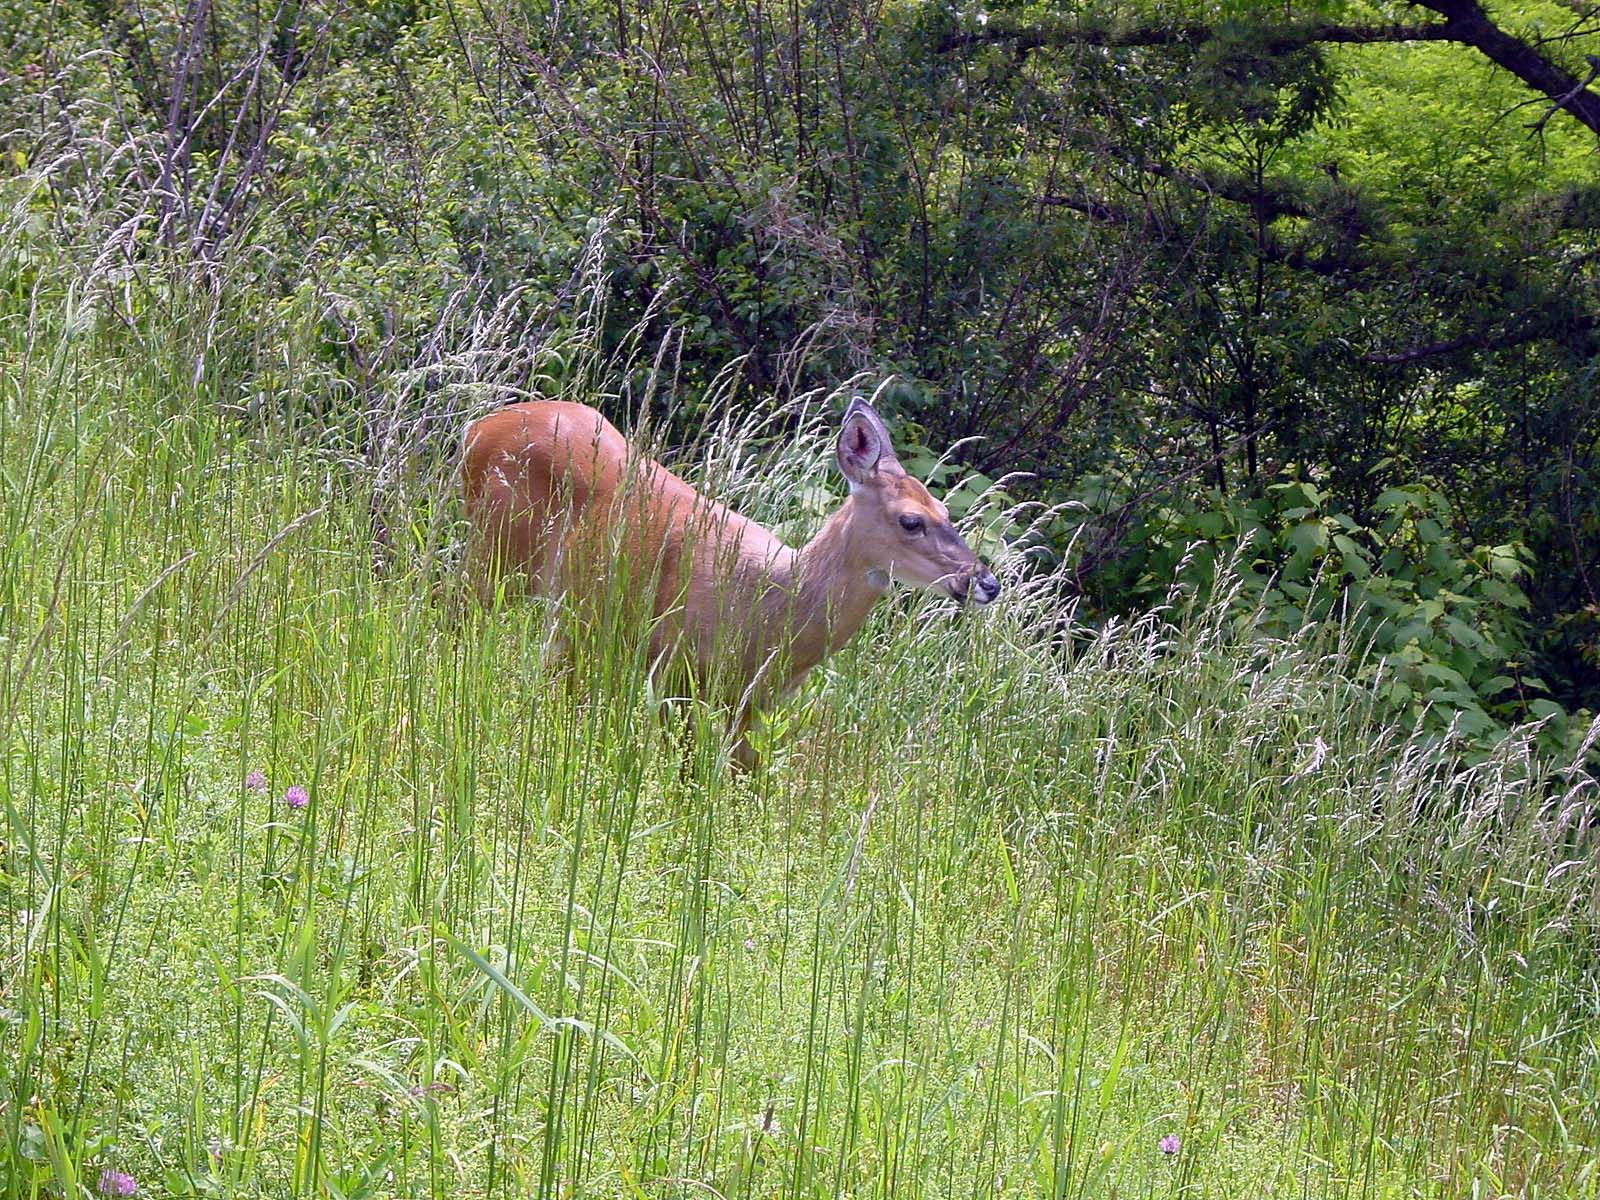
pixel 744 756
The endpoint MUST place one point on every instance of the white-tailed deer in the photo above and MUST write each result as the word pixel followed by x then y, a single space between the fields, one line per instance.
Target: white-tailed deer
pixel 555 494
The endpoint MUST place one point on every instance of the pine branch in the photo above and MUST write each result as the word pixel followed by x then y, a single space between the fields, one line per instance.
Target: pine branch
pixel 1485 339
pixel 1277 41
pixel 1465 23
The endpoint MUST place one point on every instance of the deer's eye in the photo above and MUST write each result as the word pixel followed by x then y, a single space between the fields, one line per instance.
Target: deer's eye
pixel 911 524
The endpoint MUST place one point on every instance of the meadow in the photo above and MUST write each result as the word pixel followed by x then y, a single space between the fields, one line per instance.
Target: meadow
pixel 317 882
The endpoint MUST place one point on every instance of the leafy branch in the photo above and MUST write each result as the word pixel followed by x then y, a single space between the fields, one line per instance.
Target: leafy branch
pixel 1465 23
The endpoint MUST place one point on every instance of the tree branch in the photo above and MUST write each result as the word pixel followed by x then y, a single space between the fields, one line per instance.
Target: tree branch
pixel 1594 72
pixel 1484 339
pixel 1465 22
pixel 1277 41
pixel 1272 200
pixel 1469 24
pixel 1295 257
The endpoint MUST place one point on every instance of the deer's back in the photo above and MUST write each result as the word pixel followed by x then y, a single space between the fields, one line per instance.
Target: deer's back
pixel 554 490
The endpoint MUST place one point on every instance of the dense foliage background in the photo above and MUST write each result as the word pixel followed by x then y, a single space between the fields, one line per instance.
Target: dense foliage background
pixel 1314 286
pixel 1245 847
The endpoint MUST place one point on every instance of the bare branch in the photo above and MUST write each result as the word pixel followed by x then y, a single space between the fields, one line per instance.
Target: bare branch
pixel 1594 72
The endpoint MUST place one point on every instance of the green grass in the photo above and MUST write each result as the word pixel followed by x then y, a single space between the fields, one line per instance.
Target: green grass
pixel 1014 901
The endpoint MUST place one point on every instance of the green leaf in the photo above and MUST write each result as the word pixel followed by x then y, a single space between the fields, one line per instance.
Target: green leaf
pixel 1462 634
pixel 1506 561
pixel 1395 499
pixel 1352 556
pixel 1469 719
pixel 1448 676
pixel 1505 594
pixel 1308 538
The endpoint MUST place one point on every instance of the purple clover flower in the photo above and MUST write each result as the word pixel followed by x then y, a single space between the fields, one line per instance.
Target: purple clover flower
pixel 296 797
pixel 117 1183
pixel 256 781
pixel 1169 1144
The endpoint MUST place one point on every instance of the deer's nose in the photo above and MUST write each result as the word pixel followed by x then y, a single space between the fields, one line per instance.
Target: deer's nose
pixel 986 587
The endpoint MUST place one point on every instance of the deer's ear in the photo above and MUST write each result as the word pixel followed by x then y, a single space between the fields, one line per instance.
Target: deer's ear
pixel 864 447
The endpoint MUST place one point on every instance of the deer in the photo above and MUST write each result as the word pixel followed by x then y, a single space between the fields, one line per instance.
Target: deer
pixel 557 501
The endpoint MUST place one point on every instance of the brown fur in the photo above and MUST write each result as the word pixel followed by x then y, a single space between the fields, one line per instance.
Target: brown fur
pixel 554 492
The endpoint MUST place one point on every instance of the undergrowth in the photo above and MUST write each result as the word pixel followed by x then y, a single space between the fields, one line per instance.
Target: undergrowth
pixel 315 881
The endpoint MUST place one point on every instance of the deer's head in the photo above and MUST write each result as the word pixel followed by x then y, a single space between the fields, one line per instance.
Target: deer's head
pixel 896 522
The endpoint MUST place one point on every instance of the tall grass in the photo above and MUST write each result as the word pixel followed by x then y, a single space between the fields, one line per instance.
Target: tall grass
pixel 1015 900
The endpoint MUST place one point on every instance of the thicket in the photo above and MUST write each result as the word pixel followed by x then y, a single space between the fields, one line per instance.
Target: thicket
pixel 312 886
pixel 1308 288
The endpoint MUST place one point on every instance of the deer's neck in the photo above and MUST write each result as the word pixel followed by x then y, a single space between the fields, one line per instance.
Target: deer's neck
pixel 831 590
